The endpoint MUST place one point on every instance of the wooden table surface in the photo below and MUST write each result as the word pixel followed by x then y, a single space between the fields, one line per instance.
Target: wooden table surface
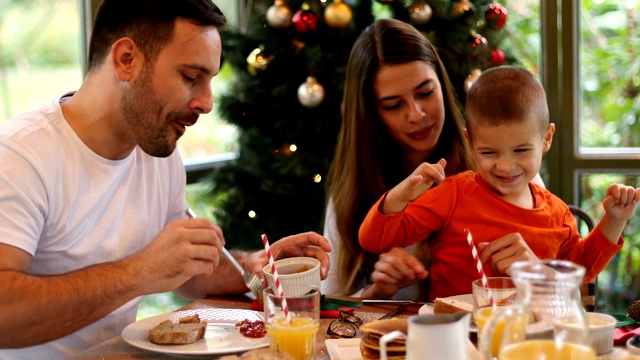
pixel 117 348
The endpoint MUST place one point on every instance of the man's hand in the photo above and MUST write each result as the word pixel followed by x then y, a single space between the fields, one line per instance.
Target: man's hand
pixel 505 251
pixel 182 250
pixel 393 271
pixel 309 244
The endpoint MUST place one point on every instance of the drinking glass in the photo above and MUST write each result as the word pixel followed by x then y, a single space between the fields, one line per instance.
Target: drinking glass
pixel 487 299
pixel 297 336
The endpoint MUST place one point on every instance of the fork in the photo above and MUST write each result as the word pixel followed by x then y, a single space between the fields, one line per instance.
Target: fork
pixel 253 282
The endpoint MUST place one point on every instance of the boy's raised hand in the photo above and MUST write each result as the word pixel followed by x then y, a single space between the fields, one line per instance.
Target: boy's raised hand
pixel 422 178
pixel 620 201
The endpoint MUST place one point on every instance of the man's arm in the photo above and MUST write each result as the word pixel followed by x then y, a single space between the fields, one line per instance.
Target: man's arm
pixel 28 303
pixel 182 250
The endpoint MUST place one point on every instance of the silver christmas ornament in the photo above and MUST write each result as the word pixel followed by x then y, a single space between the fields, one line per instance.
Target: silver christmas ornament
pixel 310 93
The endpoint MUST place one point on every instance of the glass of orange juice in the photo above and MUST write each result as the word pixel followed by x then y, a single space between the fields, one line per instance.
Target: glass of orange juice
pixel 499 290
pixel 295 335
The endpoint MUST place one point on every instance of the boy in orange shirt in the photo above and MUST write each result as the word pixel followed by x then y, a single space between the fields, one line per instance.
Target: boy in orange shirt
pixel 508 130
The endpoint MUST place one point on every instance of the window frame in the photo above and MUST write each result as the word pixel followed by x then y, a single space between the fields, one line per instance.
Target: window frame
pixel 566 164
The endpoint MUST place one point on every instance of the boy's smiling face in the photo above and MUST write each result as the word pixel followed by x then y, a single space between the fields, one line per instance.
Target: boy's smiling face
pixel 508 156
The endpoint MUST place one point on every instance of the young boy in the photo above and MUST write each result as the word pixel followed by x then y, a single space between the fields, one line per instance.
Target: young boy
pixel 508 131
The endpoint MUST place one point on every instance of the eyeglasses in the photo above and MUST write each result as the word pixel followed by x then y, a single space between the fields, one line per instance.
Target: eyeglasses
pixel 347 326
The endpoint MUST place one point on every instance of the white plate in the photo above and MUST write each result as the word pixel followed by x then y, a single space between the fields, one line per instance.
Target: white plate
pixel 221 337
pixel 428 309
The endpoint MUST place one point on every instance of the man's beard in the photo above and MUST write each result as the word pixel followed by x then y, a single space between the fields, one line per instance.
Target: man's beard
pixel 142 111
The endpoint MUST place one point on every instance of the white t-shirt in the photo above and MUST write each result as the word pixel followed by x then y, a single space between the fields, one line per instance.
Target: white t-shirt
pixel 71 208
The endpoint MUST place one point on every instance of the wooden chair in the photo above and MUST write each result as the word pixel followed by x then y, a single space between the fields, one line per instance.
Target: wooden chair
pixel 587 290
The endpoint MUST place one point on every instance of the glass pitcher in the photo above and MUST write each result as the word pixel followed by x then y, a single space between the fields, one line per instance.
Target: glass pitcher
pixel 546 321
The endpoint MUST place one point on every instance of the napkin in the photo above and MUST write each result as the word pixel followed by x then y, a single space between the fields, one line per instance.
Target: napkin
pixel 327 312
pixel 622 334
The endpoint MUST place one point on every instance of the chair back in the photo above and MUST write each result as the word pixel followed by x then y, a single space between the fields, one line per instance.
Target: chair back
pixel 588 290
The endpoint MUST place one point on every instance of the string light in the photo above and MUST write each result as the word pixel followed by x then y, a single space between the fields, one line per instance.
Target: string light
pixel 317 178
pixel 252 214
pixel 293 147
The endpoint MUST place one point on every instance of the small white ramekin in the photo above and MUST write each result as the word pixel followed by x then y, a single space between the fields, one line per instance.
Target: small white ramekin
pixel 633 347
pixel 294 274
pixel 601 329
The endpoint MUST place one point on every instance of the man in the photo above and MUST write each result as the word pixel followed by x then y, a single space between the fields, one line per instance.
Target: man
pixel 93 212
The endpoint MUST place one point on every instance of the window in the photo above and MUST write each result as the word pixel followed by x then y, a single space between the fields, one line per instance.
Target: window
pixel 591 80
pixel 40 52
pixel 606 125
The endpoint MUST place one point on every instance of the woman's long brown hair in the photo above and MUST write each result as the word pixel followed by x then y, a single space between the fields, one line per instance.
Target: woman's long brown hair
pixel 367 161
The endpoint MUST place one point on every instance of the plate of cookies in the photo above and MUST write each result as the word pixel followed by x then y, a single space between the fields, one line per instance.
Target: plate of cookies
pixel 199 332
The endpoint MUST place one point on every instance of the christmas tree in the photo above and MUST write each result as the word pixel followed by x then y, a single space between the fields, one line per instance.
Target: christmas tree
pixel 289 59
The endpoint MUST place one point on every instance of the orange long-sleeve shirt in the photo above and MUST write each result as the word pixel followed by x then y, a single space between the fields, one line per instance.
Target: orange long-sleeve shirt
pixel 467 201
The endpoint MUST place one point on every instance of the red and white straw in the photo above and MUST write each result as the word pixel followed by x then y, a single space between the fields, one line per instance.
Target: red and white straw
pixel 276 278
pixel 476 258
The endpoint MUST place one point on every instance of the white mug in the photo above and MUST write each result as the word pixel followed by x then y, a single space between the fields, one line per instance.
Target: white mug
pixel 433 337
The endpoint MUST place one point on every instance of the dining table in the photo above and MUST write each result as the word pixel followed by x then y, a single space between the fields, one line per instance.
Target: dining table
pixel 118 348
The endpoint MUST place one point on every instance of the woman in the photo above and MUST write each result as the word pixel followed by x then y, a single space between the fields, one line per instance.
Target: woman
pixel 399 110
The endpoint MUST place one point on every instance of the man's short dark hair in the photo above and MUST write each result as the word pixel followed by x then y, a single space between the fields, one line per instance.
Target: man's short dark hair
pixel 149 23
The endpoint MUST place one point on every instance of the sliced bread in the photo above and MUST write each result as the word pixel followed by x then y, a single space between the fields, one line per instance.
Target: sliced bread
pixel 453 304
pixel 168 332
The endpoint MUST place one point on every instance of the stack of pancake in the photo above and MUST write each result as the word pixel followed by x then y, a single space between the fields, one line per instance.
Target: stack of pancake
pixel 373 331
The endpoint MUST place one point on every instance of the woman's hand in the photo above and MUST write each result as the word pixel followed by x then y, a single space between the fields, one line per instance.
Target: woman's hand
pixel 394 270
pixel 422 178
pixel 505 251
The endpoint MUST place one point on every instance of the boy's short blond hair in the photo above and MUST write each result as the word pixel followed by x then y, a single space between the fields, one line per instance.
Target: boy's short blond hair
pixel 506 95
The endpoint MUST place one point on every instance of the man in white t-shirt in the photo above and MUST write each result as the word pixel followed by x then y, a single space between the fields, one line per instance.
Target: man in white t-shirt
pixel 93 212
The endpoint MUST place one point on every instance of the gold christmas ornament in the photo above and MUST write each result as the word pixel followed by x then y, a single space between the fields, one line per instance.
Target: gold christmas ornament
pixel 419 12
pixel 257 61
pixel 310 93
pixel 279 15
pixel 461 7
pixel 468 82
pixel 338 15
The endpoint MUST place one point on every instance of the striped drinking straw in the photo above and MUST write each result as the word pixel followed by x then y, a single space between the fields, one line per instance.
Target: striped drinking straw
pixel 476 258
pixel 276 278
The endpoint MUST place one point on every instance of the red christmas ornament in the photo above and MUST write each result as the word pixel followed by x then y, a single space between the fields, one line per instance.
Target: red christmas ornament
pixel 496 16
pixel 305 20
pixel 497 57
pixel 478 43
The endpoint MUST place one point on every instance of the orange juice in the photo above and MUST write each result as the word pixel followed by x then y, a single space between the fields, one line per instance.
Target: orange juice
pixel 297 338
pixel 517 323
pixel 481 316
pixel 546 350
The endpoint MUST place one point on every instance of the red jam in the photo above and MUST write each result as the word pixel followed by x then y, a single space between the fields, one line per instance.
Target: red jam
pixel 252 329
